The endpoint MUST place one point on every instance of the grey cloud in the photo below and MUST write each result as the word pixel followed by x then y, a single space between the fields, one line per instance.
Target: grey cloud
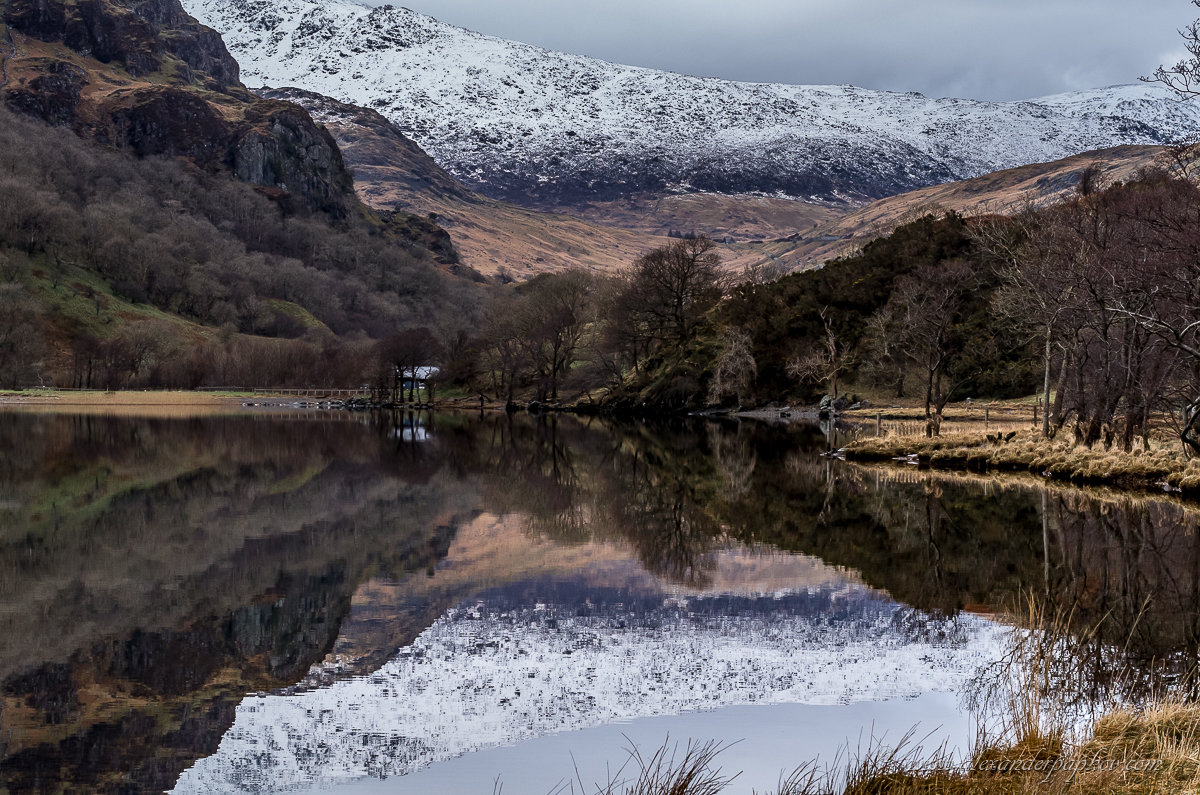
pixel 985 49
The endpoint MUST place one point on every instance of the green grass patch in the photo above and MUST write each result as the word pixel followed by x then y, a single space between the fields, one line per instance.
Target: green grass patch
pixel 297 313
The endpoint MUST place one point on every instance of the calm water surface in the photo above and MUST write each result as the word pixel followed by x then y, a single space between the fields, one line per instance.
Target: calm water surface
pixel 289 602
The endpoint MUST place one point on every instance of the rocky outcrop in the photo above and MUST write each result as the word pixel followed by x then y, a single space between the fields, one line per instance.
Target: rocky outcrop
pixel 185 99
pixel 53 96
pixel 375 148
pixel 282 147
pixel 141 37
pixel 166 121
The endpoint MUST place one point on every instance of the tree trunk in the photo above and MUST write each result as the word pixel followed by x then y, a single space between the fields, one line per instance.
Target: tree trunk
pixel 928 393
pixel 1046 386
pixel 1188 435
pixel 1060 393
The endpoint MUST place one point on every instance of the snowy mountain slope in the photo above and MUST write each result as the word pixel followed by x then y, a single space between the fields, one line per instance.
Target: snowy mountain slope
pixel 541 127
pixel 492 674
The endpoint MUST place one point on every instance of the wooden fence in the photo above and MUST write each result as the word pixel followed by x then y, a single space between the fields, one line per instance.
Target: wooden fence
pixel 326 394
pixel 983 416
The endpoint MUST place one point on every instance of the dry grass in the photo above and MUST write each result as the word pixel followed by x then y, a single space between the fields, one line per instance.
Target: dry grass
pixel 1153 751
pixel 1041 732
pixel 663 772
pixel 130 404
pixel 1161 464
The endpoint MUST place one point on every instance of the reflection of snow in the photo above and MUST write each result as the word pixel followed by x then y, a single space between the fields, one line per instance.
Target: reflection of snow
pixel 485 676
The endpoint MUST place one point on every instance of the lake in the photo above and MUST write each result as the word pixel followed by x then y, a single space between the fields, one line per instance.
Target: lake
pixel 288 601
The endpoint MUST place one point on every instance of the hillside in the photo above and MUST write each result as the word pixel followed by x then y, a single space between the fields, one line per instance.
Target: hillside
pixel 148 79
pixel 160 225
pixel 1001 192
pixel 491 236
pixel 499 238
pixel 550 129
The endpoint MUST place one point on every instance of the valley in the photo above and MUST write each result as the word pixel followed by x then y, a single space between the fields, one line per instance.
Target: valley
pixel 499 237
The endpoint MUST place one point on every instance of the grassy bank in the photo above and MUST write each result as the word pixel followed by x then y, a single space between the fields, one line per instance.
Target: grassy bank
pixel 1154 750
pixel 1161 465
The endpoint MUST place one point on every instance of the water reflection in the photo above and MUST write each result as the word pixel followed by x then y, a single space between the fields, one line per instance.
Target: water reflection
pixel 154 572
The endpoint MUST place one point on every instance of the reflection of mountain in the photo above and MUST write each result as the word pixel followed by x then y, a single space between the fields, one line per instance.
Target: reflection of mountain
pixel 492 556
pixel 155 571
pixel 513 666
pixel 163 569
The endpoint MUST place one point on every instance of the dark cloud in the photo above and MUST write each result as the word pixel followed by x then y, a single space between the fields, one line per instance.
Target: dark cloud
pixel 986 49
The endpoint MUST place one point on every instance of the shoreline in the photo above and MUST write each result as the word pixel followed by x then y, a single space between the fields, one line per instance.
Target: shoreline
pixel 1158 470
pixel 1161 471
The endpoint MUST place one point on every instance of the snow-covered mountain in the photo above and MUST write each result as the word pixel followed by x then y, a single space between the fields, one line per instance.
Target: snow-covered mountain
pixel 541 127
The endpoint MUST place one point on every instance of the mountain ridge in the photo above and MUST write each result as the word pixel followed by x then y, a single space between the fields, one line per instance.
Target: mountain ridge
pixel 548 129
pixel 496 237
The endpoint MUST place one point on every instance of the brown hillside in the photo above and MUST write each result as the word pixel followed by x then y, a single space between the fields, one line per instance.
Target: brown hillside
pixel 392 172
pixel 999 192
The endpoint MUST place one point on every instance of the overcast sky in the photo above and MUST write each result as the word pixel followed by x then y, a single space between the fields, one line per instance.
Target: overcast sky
pixel 983 49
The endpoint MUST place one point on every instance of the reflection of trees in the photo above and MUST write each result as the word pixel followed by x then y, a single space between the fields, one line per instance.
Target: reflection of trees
pixel 937 542
pixel 733 456
pixel 1116 577
pixel 533 465
pixel 930 545
pixel 1130 569
pixel 658 514
pixel 1125 570
pixel 157 570
pixel 588 481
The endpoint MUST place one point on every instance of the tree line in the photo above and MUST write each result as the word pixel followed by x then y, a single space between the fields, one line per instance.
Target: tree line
pixel 1109 286
pixel 1094 304
pixel 119 272
pixel 93 242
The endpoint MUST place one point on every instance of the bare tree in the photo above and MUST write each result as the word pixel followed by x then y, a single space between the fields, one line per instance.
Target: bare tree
pixel 827 360
pixel 735 367
pixel 505 355
pixel 1036 290
pixel 884 357
pixel 1182 158
pixel 1110 274
pixel 929 301
pixel 674 286
pixel 1184 76
pixel 553 314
